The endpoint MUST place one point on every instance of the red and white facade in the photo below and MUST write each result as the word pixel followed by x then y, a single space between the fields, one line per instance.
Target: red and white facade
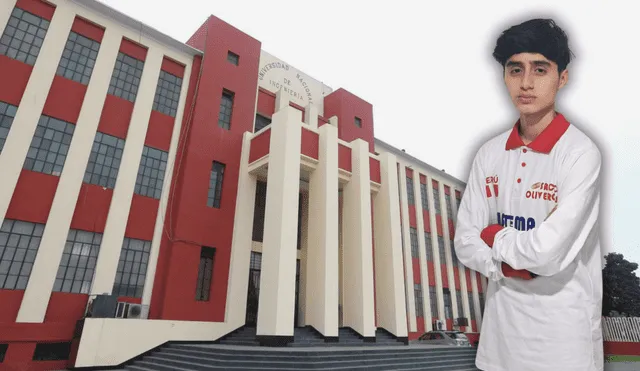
pixel 209 182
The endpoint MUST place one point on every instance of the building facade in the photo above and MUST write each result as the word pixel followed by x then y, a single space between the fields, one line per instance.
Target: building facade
pixel 207 184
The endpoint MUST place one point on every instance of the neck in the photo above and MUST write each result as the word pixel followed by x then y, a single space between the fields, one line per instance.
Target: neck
pixel 532 125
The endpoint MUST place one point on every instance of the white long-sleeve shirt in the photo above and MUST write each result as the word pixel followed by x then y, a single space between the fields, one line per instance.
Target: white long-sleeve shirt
pixel 551 323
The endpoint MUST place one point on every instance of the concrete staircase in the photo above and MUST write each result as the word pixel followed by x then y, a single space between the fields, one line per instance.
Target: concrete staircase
pixel 180 357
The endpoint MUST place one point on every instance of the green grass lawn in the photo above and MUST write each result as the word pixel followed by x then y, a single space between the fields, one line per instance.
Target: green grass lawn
pixel 617 358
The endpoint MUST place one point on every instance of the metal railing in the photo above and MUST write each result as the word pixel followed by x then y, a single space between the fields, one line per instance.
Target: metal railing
pixel 621 329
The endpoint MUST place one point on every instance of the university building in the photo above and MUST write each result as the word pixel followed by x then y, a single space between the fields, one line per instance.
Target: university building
pixel 207 186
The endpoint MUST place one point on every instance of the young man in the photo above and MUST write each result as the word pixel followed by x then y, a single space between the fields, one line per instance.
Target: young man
pixel 528 219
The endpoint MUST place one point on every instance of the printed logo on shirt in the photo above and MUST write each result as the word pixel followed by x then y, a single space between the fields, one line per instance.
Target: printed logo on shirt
pixel 521 223
pixel 492 186
pixel 543 191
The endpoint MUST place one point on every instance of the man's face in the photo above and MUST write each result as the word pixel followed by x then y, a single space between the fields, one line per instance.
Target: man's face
pixel 533 82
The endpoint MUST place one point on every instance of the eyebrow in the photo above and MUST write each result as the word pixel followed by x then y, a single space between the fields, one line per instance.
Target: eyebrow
pixel 535 63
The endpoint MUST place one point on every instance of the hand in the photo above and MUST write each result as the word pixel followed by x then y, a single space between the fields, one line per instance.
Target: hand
pixel 488 235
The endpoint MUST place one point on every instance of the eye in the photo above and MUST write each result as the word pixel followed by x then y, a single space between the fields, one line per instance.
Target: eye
pixel 541 70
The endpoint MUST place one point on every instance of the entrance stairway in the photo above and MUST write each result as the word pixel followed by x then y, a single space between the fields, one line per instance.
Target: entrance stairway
pixel 239 351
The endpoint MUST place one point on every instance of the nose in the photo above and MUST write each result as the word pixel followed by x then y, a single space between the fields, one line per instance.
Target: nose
pixel 527 81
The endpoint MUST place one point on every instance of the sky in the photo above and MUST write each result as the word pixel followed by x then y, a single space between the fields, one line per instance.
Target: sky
pixel 426 68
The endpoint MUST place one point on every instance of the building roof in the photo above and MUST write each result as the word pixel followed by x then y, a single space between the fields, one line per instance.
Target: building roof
pixel 138 26
pixel 419 162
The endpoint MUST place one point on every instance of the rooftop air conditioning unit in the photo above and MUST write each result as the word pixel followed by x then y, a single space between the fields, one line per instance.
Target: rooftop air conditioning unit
pixel 131 310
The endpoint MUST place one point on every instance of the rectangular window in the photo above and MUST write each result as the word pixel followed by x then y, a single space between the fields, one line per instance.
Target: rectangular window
pixel 424 197
pixel 75 272
pixel 460 306
pixel 443 259
pixel 19 243
pixel 410 195
pixel 233 58
pixel 259 211
pixel 7 114
pixel 205 273
pixel 358 121
pixel 49 146
pixel 447 199
pixel 428 246
pixel 215 185
pixel 104 161
pixel 414 242
pixel 448 309
pixel 78 58
pixel 167 94
pixel 23 36
pixel 436 199
pixel 125 79
pixel 417 291
pixel 226 109
pixel 132 268
pixel 434 302
pixel 52 351
pixel 472 308
pixel 153 164
pixel 261 122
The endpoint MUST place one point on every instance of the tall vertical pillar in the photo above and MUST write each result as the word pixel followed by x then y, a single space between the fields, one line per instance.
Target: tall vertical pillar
pixel 322 252
pixel 406 237
pixel 390 285
pixel 236 304
pixel 358 309
pixel 279 247
pixel 436 253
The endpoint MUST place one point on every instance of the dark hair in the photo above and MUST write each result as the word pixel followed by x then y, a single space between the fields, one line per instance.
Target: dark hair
pixel 542 36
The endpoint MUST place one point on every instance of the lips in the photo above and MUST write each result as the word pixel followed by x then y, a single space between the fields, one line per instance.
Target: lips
pixel 526 98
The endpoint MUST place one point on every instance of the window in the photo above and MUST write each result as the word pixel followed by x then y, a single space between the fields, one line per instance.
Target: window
pixel 428 246
pixel 447 199
pixel 78 58
pixel 19 242
pixel 472 308
pixel 104 161
pixel 49 146
pixel 448 311
pixel 417 291
pixel 433 298
pixel 259 211
pixel 436 199
pixel 52 351
pixel 443 259
pixel 414 242
pixel 205 273
pixel 3 351
pixel 481 296
pixel 125 79
pixel 233 58
pixel 226 108
pixel 132 268
pixel 410 196
pixel 215 185
pixel 23 36
pixel 261 122
pixel 78 262
pixel 424 197
pixel 7 114
pixel 167 94
pixel 460 307
pixel 358 121
pixel 151 172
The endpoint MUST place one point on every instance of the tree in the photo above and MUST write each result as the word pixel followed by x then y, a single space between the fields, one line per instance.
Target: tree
pixel 621 287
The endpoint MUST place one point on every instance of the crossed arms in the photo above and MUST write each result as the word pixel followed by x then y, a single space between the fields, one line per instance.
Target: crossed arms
pixel 546 249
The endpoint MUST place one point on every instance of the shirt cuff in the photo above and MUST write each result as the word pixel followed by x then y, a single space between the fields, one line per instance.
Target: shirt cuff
pixel 500 243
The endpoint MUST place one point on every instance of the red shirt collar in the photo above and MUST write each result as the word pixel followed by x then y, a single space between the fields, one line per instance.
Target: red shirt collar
pixel 545 141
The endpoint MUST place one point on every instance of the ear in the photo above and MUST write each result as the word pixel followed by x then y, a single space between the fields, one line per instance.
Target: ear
pixel 564 79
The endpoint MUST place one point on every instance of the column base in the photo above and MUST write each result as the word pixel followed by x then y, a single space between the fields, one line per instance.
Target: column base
pixel 274 340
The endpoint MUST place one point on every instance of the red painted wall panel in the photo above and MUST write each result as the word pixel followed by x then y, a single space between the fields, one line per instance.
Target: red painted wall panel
pixel 374 169
pixel 447 190
pixel 426 220
pixel 479 281
pixel 260 145
pixel 423 179
pixel 445 276
pixel 467 273
pixel 439 228
pixel 33 196
pixel 115 117
pixel 65 99
pixel 14 76
pixel 431 273
pixel 452 229
pixel 142 217
pixel 64 306
pixel 10 300
pixel 346 107
pixel 266 102
pixel 92 208
pixel 133 49
pixel 344 157
pixel 309 144
pixel 622 348
pixel 416 269
pixel 40 8
pixel 409 172
pixel 456 277
pixel 172 67
pixel 87 29
pixel 474 326
pixel 159 131
pixel 412 216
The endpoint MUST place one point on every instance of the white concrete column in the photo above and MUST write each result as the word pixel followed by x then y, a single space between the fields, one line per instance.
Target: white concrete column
pixel 118 216
pixel 436 248
pixel 311 116
pixel 447 251
pixel 358 309
pixel 406 237
pixel 279 247
pixel 422 253
pixel 390 285
pixel 158 231
pixel 6 7
pixel 43 274
pixel 322 253
pixel 30 108
pixel 236 304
